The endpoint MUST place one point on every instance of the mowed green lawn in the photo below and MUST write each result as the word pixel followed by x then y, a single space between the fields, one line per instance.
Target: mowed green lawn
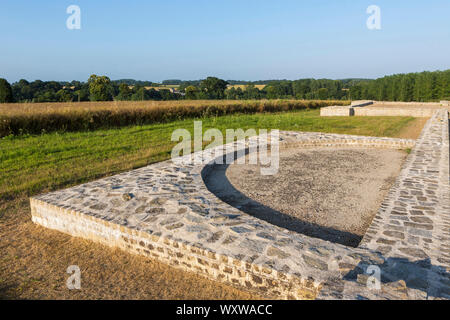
pixel 33 164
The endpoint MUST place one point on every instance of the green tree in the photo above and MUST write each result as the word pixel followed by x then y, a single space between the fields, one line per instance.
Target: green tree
pixel 271 92
pixel 214 88
pixel 407 88
pixel 251 92
pixel 279 90
pixel 22 91
pixel 124 92
pixel 100 88
pixel 301 88
pixel 64 95
pixel 191 92
pixel 139 93
pixel 445 95
pixel 230 94
pixel 154 95
pixel 166 94
pixel 6 94
pixel 322 93
pixel 356 92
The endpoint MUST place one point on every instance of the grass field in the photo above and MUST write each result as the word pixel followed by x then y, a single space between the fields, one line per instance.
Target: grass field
pixel 35 163
pixel 34 260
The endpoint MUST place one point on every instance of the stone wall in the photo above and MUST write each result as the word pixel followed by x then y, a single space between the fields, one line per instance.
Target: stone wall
pixel 416 213
pixel 336 111
pixel 409 105
pixel 177 253
pixel 164 211
pixel 384 109
pixel 391 112
pixel 412 227
pixel 361 103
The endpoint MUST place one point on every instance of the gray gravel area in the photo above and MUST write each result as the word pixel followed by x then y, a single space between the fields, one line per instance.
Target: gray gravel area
pixel 323 193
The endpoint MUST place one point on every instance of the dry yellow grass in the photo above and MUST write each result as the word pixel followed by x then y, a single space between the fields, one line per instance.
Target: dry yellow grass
pixel 35 118
pixel 34 261
pixel 413 129
pixel 63 107
pixel 244 86
pixel 170 88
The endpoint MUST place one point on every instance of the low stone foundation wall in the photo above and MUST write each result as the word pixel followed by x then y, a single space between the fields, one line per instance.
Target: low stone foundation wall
pixel 176 253
pixel 343 111
pixel 416 212
pixel 407 105
pixel 164 211
pixel 412 227
pixel 361 103
pixel 392 112
pixel 384 109
pixel 336 111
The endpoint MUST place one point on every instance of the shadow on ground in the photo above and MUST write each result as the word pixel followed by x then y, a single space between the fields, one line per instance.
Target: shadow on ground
pixel 217 183
pixel 419 275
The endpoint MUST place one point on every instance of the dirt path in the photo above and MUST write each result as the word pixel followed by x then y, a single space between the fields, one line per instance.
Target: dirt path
pixel 413 129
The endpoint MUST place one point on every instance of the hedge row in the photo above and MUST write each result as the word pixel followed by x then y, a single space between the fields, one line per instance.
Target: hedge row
pixel 113 115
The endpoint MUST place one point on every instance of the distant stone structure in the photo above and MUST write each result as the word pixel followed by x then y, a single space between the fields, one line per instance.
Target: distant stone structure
pixel 343 111
pixel 382 108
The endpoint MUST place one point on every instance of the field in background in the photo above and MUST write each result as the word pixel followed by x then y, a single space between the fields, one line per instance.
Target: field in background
pixel 34 260
pixel 245 86
pixel 170 87
pixel 32 164
pixel 36 118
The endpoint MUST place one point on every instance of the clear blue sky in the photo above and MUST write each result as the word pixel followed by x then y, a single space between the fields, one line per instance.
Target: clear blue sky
pixel 233 39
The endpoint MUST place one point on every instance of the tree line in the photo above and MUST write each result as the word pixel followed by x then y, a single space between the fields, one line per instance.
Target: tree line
pixel 424 86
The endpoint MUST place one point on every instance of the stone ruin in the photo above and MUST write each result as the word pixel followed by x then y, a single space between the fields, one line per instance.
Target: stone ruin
pixel 164 211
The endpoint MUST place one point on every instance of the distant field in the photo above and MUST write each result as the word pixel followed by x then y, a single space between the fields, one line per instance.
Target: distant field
pixel 36 118
pixel 170 87
pixel 244 86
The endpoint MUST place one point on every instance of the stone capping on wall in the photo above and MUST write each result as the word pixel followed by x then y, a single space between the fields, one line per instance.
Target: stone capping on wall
pixel 409 105
pixel 361 103
pixel 164 211
pixel 394 112
pixel 337 111
pixel 385 108
pixel 412 227
pixel 419 200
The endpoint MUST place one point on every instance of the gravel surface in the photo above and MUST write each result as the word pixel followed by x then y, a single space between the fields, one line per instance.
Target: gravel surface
pixel 332 194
